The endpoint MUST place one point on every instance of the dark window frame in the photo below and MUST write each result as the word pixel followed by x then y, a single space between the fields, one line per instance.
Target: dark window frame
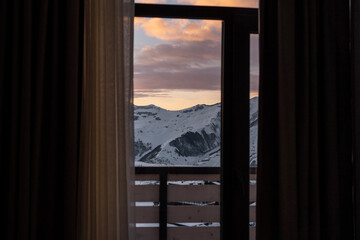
pixel 238 24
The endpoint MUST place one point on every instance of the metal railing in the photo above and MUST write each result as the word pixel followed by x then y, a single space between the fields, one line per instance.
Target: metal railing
pixel 182 196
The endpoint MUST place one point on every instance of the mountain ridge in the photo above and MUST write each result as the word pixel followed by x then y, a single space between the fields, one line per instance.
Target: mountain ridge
pixel 189 136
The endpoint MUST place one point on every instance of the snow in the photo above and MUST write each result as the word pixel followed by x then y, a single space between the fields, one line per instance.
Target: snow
pixel 157 130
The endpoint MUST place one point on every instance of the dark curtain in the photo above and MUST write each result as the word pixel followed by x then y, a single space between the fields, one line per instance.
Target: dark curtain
pixel 40 78
pixel 305 130
pixel 355 5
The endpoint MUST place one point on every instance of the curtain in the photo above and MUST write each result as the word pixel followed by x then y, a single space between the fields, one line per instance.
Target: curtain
pixel 305 129
pixel 355 5
pixel 40 79
pixel 106 166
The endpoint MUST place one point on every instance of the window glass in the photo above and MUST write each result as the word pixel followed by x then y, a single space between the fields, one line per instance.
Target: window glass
pixel 253 130
pixel 223 3
pixel 254 92
pixel 177 92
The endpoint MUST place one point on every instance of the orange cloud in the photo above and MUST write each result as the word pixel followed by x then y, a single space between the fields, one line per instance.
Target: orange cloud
pixel 180 29
pixel 150 1
pixel 227 3
pixel 186 30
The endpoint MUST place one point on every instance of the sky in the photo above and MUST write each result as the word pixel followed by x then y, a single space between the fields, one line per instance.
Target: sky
pixel 177 62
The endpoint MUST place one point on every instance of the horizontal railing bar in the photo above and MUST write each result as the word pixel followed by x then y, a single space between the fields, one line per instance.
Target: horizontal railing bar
pixel 147 193
pixel 147 215
pixel 184 170
pixel 151 233
pixel 177 170
pixel 194 233
pixel 193 193
pixel 180 193
pixel 180 233
pixel 184 177
pixel 252 193
pixel 193 214
pixel 194 177
pixel 252 213
pixel 147 177
pixel 252 233
pixel 185 214
pixel 147 233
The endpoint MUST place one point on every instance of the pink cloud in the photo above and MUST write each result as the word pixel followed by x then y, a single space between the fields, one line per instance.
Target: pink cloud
pixel 150 93
pixel 254 52
pixel 180 29
pixel 227 3
pixel 254 83
pixel 190 58
pixel 199 79
pixel 178 52
pixel 185 65
pixel 190 79
pixel 150 1
pixel 179 65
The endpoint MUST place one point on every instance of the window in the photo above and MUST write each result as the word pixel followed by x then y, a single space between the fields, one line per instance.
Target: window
pixel 177 80
pixel 233 175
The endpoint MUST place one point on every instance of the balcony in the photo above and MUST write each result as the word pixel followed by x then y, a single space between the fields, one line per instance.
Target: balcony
pixel 183 203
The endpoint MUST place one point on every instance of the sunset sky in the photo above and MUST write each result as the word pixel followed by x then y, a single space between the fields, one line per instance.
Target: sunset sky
pixel 177 62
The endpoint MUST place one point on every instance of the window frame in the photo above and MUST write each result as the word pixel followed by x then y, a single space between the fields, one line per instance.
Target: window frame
pixel 238 24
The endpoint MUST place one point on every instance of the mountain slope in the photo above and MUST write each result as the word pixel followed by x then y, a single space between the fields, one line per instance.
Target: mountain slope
pixel 186 137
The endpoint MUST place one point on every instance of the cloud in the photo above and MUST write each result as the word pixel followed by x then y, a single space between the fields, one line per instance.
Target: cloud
pixel 227 3
pixel 150 1
pixel 254 83
pixel 254 63
pixel 180 29
pixel 180 52
pixel 254 49
pixel 199 79
pixel 179 65
pixel 186 65
pixel 189 58
pixel 150 93
pixel 192 79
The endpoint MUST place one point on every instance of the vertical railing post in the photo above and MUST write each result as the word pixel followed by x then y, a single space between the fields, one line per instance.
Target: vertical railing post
pixel 163 205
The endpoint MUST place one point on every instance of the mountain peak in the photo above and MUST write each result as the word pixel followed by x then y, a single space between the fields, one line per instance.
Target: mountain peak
pixel 198 107
pixel 150 106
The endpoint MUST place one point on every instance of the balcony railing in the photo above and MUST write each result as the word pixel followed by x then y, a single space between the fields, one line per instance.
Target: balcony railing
pixel 182 203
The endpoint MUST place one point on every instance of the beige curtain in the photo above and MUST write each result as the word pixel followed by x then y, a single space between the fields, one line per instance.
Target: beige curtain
pixel 106 165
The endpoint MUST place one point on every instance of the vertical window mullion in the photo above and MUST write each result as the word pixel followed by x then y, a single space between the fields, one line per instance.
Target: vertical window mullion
pixel 235 147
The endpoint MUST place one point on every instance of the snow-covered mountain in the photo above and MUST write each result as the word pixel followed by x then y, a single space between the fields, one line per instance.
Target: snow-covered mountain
pixel 186 137
pixel 253 124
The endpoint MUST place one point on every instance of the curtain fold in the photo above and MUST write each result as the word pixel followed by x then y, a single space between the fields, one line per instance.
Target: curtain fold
pixel 40 79
pixel 106 167
pixel 305 128
pixel 355 20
